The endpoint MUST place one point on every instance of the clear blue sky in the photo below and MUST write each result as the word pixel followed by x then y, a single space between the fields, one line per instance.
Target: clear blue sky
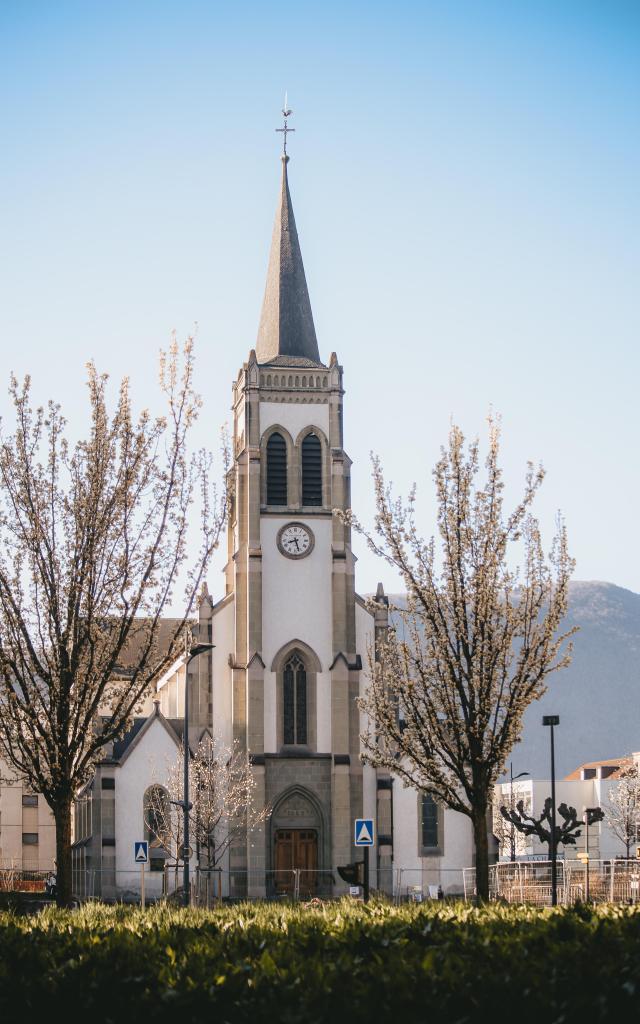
pixel 465 181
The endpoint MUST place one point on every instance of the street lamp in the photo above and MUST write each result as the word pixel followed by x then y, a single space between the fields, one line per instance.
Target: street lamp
pixel 513 778
pixel 552 720
pixel 190 654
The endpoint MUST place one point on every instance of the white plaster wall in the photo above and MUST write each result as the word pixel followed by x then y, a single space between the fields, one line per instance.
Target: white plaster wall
pixel 295 416
pixel 147 764
pixel 296 593
pixel 445 870
pixel 224 639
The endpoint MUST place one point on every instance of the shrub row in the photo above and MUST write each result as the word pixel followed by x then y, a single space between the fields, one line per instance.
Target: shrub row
pixel 256 963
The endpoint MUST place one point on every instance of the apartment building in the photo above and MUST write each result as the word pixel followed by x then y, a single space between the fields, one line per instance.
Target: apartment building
pixel 27 828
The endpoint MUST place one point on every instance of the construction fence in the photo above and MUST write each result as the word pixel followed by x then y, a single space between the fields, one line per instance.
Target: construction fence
pixel 209 887
pixel 596 881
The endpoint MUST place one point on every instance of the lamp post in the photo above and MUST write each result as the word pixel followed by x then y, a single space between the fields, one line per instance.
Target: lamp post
pixel 551 721
pixel 190 653
pixel 513 778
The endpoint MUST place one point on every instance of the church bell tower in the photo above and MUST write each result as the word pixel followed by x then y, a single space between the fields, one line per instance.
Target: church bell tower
pixel 292 630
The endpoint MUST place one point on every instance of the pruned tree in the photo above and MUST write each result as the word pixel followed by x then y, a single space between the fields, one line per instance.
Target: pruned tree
pixel 222 791
pixel 567 831
pixel 94 540
pixel 623 807
pixel 477 637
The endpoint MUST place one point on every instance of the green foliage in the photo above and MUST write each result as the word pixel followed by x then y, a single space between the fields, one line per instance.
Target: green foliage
pixel 340 961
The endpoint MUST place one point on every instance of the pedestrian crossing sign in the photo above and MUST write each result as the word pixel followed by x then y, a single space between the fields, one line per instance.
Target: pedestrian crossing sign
pixel 141 852
pixel 363 832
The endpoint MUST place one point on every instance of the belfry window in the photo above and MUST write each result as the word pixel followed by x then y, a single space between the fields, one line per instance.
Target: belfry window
pixel 295 701
pixel 276 470
pixel 311 470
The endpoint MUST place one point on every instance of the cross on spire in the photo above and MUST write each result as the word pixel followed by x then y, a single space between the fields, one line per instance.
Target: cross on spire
pixel 285 113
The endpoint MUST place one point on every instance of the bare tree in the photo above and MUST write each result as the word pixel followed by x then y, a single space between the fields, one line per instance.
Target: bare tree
pixel 477 639
pixel 222 796
pixel 93 542
pixel 623 807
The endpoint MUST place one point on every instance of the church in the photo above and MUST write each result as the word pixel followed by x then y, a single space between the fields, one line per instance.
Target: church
pixel 292 637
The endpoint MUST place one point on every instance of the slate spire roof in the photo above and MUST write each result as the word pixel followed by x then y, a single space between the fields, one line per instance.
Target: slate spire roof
pixel 286 323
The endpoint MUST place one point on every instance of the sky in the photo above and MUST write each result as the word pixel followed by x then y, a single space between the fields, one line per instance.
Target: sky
pixel 465 184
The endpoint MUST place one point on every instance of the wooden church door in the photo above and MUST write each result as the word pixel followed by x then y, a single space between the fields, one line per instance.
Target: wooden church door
pixel 296 848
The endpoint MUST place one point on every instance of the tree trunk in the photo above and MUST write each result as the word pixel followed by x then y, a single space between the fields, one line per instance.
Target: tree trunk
pixel 62 816
pixel 481 841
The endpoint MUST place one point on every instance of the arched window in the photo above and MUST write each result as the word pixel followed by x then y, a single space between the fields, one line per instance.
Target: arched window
pixel 311 470
pixel 276 470
pixel 157 825
pixel 295 701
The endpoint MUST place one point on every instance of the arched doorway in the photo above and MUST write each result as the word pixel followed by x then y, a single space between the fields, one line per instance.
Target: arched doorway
pixel 297 834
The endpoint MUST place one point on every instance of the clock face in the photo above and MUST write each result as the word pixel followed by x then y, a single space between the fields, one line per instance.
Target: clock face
pixel 295 540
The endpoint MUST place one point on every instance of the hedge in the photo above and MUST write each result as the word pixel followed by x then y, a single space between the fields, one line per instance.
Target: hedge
pixel 316 963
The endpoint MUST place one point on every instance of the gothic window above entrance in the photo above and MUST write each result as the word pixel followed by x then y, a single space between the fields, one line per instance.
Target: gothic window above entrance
pixel 311 470
pixel 276 470
pixel 295 701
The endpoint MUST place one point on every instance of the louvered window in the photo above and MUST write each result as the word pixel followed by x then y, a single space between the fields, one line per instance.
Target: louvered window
pixel 276 470
pixel 295 701
pixel 311 470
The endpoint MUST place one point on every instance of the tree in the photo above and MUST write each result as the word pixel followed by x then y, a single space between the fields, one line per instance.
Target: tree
pixel 222 797
pixel 93 542
pixel 566 832
pixel 477 639
pixel 623 809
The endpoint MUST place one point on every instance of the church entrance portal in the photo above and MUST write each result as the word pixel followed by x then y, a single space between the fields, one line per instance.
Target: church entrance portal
pixel 296 848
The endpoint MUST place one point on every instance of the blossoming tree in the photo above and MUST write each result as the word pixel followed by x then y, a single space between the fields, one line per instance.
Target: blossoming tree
pixel 94 540
pixel 477 637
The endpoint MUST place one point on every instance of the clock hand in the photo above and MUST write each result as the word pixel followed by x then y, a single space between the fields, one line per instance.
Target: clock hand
pixel 295 541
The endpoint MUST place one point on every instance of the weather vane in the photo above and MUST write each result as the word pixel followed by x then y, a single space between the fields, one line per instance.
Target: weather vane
pixel 285 113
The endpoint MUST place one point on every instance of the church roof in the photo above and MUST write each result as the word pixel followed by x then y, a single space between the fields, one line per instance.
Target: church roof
pixel 286 323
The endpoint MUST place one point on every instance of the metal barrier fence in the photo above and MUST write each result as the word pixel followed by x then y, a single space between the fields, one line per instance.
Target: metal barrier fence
pixel 209 887
pixel 598 881
pixel 17 879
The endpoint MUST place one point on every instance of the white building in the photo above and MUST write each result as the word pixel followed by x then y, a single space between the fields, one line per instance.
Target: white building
pixel 588 786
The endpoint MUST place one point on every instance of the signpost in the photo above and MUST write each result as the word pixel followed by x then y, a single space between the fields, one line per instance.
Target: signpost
pixel 364 836
pixel 141 857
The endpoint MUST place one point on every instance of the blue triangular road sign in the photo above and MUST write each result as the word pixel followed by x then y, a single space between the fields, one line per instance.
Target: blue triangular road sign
pixel 141 852
pixel 364 832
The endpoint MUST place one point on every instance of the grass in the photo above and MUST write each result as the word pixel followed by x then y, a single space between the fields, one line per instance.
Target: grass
pixel 316 963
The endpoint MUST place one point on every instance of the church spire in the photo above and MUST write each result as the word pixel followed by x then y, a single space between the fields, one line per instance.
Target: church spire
pixel 286 323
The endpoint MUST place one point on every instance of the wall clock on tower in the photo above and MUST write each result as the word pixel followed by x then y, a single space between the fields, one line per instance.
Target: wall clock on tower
pixel 295 540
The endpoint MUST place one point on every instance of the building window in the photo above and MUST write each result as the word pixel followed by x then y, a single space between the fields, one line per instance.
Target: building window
pixel 107 783
pixel 295 701
pixel 431 825
pixel 311 470
pixel 29 838
pixel 29 800
pixel 276 470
